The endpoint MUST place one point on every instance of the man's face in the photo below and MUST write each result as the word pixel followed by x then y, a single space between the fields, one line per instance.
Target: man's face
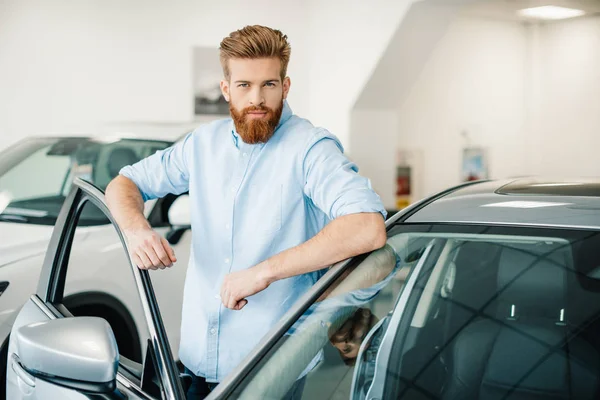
pixel 255 94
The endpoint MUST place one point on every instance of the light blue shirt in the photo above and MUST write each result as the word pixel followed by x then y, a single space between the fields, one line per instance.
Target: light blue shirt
pixel 249 202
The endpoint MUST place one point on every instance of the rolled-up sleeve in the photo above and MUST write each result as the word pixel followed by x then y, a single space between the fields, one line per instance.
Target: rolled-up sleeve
pixel 166 171
pixel 332 181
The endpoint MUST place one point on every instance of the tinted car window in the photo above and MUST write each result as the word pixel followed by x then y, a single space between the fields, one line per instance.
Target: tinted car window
pixel 36 174
pixel 324 343
pixel 485 313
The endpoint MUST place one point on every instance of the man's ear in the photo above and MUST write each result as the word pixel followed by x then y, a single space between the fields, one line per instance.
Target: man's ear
pixel 286 86
pixel 225 89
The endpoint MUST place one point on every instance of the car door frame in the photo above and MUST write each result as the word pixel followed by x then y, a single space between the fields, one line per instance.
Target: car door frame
pixel 53 275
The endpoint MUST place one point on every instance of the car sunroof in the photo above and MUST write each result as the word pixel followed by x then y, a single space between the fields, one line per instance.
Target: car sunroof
pixel 579 187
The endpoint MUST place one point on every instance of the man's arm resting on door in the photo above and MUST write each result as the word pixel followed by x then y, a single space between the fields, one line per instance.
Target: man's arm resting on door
pixel 344 237
pixel 148 249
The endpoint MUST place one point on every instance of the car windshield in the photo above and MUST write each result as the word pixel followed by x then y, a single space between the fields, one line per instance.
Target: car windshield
pixel 36 174
pixel 445 312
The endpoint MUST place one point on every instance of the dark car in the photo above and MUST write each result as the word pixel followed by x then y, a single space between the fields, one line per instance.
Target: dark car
pixel 489 290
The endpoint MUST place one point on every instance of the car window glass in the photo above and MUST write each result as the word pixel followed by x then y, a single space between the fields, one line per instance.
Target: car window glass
pixel 100 282
pixel 507 308
pixel 38 176
pixel 45 175
pixel 324 344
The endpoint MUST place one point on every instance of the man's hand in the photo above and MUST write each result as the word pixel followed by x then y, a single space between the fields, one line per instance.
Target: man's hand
pixel 241 284
pixel 349 337
pixel 149 250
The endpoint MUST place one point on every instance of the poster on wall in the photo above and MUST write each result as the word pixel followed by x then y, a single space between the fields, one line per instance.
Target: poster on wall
pixel 207 75
pixel 474 164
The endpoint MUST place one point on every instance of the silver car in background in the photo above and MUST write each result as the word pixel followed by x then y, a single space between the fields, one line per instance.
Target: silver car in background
pixel 36 176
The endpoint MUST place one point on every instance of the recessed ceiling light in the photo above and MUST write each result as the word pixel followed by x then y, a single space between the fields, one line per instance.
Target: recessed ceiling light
pixel 550 12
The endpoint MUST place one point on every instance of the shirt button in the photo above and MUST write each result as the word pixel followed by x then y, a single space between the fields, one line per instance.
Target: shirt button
pixel 226 226
pixel 232 189
pixel 245 154
pixel 226 260
pixel 213 331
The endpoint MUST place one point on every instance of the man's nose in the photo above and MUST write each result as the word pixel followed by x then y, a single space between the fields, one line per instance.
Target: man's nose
pixel 257 98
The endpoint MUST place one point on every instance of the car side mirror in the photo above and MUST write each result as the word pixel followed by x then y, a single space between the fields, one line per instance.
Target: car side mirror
pixel 180 218
pixel 78 353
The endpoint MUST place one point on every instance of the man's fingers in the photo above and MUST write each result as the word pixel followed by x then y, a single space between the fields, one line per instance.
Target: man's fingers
pixel 145 260
pixel 153 257
pixel 162 254
pixel 138 262
pixel 240 304
pixel 224 296
pixel 231 302
pixel 232 294
pixel 168 249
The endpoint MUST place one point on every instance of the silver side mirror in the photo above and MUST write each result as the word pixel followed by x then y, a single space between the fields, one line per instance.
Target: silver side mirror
pixel 79 353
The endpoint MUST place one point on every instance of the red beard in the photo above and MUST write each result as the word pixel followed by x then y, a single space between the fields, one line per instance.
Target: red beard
pixel 253 131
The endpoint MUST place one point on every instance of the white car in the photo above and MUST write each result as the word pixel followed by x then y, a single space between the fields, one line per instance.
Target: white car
pixel 36 175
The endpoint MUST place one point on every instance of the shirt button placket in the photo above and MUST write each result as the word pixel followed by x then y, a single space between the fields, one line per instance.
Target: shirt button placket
pixel 212 353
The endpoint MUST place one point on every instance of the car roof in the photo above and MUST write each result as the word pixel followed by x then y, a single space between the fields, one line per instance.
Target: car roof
pixel 572 203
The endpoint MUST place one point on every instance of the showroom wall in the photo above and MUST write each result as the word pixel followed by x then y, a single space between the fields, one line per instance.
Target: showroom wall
pixel 373 129
pixel 527 93
pixel 373 138
pixel 347 40
pixel 73 66
pixel 471 92
pixel 92 66
pixel 567 138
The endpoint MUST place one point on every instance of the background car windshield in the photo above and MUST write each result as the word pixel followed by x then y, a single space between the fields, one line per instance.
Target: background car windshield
pixel 36 174
pixel 486 312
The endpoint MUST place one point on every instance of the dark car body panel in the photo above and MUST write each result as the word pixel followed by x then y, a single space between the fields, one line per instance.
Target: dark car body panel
pixel 524 202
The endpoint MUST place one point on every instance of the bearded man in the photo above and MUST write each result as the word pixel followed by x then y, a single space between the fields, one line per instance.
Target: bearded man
pixel 274 202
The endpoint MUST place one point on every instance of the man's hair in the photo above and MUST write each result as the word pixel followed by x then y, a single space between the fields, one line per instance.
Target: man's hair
pixel 253 42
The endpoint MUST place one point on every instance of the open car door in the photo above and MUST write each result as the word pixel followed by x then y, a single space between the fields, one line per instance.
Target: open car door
pixel 55 355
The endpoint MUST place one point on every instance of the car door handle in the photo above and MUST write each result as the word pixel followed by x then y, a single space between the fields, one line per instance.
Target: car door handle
pixel 27 378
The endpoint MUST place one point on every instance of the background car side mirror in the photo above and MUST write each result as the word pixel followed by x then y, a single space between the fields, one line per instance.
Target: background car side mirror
pixel 79 353
pixel 180 218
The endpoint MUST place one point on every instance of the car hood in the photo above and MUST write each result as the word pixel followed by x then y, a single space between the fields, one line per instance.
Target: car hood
pixel 20 241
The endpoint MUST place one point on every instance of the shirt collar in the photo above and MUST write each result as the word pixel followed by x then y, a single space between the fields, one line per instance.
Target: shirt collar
pixel 286 113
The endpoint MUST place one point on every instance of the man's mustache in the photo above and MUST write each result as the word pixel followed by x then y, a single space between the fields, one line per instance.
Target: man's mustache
pixel 257 108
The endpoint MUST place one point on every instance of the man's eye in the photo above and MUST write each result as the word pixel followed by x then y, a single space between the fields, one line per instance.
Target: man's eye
pixel 243 85
pixel 269 84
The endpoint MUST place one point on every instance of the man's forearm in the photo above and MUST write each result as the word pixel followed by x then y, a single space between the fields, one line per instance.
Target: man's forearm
pixel 147 248
pixel 125 203
pixel 343 238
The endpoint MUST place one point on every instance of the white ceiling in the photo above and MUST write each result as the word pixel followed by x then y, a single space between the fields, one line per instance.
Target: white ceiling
pixel 507 9
pixel 425 23
pixel 416 37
